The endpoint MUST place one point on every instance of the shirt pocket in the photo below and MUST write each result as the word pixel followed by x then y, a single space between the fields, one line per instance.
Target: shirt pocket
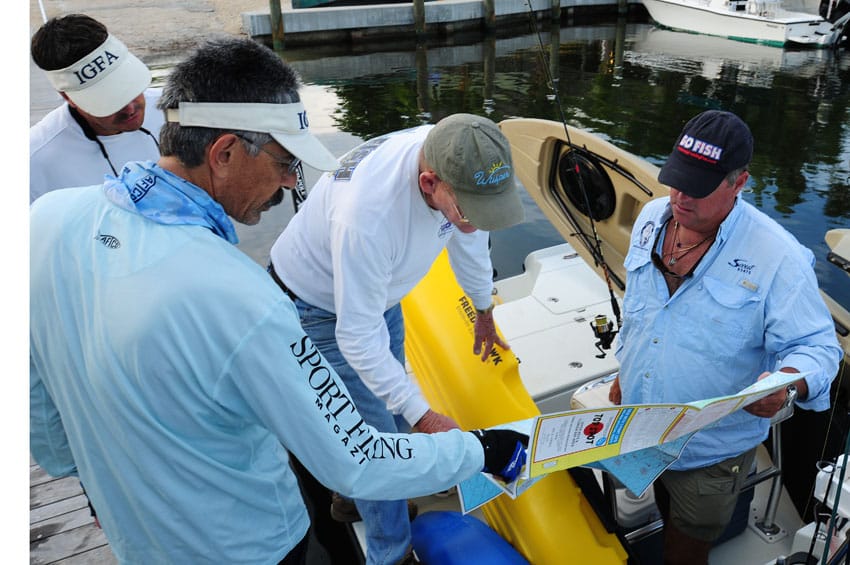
pixel 639 277
pixel 728 317
pixel 736 305
pixel 635 303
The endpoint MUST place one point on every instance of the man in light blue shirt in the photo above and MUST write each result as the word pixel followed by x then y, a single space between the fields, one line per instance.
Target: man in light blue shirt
pixel 718 295
pixel 169 372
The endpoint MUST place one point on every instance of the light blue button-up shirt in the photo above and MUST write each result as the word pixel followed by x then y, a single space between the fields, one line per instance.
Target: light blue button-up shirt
pixel 752 305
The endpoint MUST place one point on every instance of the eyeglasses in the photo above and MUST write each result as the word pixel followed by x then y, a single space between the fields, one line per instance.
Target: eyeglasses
pixel 462 219
pixel 289 166
pixel 659 264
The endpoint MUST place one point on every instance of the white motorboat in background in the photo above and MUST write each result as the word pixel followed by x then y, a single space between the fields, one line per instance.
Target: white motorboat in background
pixel 754 21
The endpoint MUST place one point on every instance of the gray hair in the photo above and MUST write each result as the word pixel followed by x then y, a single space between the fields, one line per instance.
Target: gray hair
pixel 223 70
pixel 733 175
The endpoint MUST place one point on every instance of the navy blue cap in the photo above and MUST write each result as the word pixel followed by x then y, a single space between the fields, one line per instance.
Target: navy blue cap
pixel 710 146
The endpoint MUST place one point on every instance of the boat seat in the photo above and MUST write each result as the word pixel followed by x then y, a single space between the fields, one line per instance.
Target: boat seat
pixel 595 394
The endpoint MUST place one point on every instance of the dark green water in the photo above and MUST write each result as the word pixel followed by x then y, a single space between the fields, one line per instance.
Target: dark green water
pixel 635 85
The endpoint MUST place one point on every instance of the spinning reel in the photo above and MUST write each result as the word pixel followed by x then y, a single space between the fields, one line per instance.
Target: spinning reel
pixel 604 331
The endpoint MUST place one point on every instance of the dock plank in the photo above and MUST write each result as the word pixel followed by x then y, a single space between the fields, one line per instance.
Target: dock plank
pixel 59 508
pixel 62 530
pixel 39 476
pixel 50 547
pixel 62 523
pixel 53 491
pixel 97 556
pixel 64 506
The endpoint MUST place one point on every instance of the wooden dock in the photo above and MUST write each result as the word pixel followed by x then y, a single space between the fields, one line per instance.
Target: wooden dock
pixel 62 530
pixel 365 23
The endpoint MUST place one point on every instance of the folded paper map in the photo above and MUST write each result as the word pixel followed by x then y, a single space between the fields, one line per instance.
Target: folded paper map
pixel 635 443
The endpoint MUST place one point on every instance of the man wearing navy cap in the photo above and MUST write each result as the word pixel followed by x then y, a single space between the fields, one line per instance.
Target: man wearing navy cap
pixel 718 295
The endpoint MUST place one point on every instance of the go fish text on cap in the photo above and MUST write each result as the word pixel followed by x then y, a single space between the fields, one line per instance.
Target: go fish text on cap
pixel 497 173
pixel 94 67
pixel 700 149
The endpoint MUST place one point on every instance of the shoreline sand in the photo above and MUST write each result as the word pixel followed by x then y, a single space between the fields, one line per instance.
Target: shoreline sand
pixel 176 25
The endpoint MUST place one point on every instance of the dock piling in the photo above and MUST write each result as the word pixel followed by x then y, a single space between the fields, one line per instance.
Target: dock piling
pixel 419 17
pixel 276 15
pixel 489 14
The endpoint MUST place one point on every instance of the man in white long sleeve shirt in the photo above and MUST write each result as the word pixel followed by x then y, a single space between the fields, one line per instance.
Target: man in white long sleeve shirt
pixel 104 121
pixel 365 236
pixel 168 371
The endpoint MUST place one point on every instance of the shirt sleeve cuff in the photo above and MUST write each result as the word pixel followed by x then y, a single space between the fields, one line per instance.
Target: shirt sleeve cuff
pixel 481 301
pixel 414 409
pixel 818 398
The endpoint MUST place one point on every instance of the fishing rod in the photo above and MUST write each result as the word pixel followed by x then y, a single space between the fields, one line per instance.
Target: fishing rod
pixel 603 329
pixel 586 239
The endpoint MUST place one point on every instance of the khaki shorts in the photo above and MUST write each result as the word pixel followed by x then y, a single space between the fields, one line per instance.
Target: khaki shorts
pixel 702 500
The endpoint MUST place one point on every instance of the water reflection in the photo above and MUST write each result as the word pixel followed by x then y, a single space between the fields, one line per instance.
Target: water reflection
pixel 635 85
pixel 716 59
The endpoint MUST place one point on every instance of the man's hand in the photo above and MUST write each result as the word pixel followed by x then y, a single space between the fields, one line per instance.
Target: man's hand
pixel 504 452
pixel 432 422
pixel 615 395
pixel 485 334
pixel 768 406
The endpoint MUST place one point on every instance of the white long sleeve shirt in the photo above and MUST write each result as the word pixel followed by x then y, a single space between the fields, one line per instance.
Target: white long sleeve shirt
pixel 61 156
pixel 361 241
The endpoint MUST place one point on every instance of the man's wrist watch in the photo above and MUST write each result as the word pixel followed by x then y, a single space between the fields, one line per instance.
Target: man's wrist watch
pixel 488 310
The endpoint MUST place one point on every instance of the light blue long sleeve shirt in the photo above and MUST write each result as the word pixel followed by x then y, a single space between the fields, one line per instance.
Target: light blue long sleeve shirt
pixel 752 305
pixel 172 375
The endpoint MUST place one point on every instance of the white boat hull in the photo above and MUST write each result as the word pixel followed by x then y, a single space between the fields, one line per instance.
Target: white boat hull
pixel 754 21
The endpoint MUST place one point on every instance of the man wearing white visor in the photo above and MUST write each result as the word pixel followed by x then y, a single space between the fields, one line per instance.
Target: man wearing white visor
pixel 103 122
pixel 171 374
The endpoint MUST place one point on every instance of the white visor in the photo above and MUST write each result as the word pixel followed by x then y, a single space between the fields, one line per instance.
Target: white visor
pixel 105 80
pixel 286 123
